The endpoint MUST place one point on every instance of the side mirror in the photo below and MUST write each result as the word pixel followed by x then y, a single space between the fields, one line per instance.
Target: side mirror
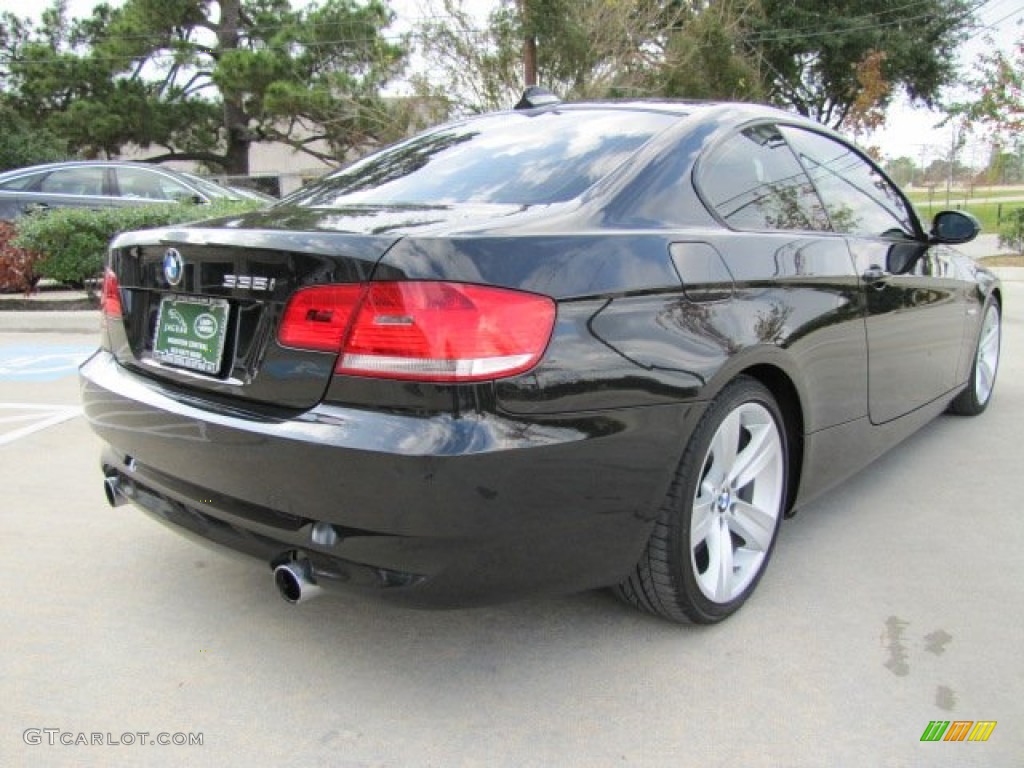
pixel 954 227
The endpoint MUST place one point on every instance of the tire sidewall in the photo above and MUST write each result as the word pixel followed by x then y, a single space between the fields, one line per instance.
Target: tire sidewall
pixel 979 406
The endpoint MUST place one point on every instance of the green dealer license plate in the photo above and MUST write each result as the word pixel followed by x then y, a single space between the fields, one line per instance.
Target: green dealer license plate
pixel 190 332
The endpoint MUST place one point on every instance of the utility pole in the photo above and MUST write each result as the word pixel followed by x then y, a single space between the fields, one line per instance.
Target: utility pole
pixel 529 49
pixel 952 162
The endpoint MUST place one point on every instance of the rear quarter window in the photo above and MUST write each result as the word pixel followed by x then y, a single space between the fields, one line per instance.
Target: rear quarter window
pixel 21 183
pixel 753 181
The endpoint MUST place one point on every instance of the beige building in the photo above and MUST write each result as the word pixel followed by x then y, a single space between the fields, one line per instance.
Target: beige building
pixel 290 168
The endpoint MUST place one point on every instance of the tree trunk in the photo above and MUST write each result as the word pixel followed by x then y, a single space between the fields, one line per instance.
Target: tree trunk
pixel 236 122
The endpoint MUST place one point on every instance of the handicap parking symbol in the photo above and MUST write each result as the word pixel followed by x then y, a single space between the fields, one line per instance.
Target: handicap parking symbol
pixel 39 362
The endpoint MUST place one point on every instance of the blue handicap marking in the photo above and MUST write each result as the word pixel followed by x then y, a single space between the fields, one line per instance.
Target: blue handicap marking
pixel 41 362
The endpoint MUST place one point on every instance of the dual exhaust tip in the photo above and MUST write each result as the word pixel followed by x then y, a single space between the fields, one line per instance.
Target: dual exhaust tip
pixel 294 579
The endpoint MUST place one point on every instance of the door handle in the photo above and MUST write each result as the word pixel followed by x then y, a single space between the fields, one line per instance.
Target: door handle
pixel 874 275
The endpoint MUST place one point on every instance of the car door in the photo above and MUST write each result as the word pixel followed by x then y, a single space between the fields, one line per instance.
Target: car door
pixel 13 198
pixel 914 297
pixel 795 283
pixel 144 185
pixel 78 186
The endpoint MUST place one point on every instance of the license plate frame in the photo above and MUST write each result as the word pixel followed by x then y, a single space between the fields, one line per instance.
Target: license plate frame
pixel 191 332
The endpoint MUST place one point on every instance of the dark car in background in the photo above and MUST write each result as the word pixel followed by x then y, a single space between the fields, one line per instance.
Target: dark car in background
pixel 102 184
pixel 546 350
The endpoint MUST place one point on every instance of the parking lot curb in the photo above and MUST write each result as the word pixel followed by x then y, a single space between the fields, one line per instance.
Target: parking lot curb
pixel 86 321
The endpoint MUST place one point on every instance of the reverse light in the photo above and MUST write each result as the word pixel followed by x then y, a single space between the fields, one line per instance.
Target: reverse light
pixel 422 331
pixel 110 298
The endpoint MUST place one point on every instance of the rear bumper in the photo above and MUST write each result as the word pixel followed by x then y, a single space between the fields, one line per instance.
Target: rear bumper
pixel 435 509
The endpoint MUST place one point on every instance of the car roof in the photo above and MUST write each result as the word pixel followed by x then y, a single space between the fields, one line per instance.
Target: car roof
pixel 681 107
pixel 690 112
pixel 84 163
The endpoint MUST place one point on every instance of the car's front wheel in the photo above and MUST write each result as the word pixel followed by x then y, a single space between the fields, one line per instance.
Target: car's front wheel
pixel 717 526
pixel 978 392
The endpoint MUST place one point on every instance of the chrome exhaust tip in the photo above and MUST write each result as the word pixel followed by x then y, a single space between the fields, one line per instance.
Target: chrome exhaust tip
pixel 295 582
pixel 113 491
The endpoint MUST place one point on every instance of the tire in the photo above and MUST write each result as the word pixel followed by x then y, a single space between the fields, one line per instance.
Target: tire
pixel 978 393
pixel 731 480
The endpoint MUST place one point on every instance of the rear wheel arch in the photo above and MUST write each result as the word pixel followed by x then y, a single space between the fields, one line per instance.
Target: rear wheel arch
pixel 718 523
pixel 786 394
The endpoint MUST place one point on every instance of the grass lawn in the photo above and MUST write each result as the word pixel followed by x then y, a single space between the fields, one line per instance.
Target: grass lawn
pixel 1003 261
pixel 986 213
pixel 938 197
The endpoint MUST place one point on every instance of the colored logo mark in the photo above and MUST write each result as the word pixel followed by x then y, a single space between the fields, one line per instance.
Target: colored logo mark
pixel 958 730
pixel 174 266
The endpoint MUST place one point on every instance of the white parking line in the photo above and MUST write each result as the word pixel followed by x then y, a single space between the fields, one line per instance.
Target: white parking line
pixel 41 417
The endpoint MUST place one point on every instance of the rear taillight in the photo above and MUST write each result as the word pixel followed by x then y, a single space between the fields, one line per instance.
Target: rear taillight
pixel 317 317
pixel 425 331
pixel 110 300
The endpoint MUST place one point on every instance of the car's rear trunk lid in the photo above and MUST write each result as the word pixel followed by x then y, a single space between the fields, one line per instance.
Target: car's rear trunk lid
pixel 201 306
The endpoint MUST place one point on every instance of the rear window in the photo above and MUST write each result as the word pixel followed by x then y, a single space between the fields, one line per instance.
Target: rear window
pixel 22 182
pixel 523 159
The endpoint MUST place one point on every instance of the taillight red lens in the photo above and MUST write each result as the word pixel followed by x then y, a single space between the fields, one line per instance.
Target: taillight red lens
pixel 425 331
pixel 110 301
pixel 435 331
pixel 318 317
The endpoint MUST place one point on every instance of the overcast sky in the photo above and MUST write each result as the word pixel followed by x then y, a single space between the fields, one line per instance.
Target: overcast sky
pixel 909 131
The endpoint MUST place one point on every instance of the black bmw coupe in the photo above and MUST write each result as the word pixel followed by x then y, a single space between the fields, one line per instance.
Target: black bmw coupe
pixel 552 349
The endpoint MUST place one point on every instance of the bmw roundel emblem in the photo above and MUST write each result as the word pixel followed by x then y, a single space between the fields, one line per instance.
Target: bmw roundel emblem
pixel 174 266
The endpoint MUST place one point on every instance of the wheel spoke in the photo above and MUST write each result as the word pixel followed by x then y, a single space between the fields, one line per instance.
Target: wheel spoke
pixel 723 572
pixel 757 454
pixel 724 447
pixel 701 520
pixel 754 524
pixel 988 356
pixel 990 339
pixel 984 376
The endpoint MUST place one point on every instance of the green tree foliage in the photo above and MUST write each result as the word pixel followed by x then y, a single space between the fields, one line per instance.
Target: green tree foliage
pixel 902 170
pixel 1005 166
pixel 997 85
pixel 838 62
pixel 811 50
pixel 22 143
pixel 203 79
pixel 586 49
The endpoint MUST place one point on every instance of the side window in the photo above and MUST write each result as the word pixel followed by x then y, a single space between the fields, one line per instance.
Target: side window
pixel 858 198
pixel 74 181
pixel 138 182
pixel 754 182
pixel 22 183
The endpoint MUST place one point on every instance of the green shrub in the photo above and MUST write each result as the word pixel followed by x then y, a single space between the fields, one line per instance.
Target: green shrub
pixel 74 241
pixel 1011 230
